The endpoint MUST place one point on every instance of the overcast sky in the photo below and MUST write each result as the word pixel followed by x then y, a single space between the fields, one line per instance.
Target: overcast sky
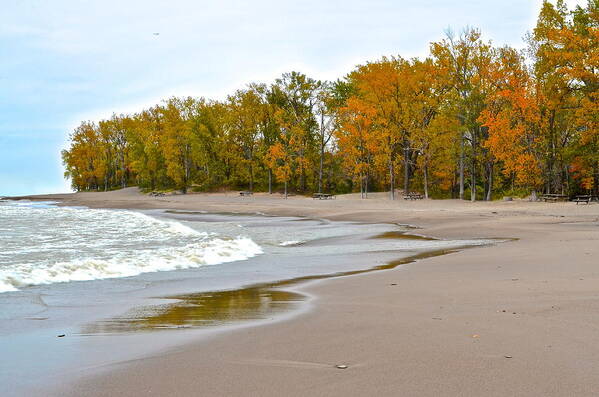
pixel 67 61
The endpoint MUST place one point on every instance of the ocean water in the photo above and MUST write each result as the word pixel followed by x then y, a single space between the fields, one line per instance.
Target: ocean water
pixel 84 273
pixel 72 266
pixel 44 244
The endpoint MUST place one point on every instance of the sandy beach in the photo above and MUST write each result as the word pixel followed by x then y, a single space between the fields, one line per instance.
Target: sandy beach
pixel 516 318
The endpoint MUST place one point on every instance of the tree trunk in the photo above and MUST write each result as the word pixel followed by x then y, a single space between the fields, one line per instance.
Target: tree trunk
pixel 251 170
pixel 473 182
pixel 548 166
pixel 186 175
pixel 123 172
pixel 490 182
pixel 462 167
pixel 454 184
pixel 361 187
pixel 285 189
pixel 392 179
pixel 552 156
pixel 320 168
pixel 596 179
pixel 425 180
pixel 269 181
pixel 567 180
pixel 406 170
pixel 251 178
pixel 473 171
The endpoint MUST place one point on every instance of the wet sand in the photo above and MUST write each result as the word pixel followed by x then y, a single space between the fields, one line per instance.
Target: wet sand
pixel 517 318
pixel 229 307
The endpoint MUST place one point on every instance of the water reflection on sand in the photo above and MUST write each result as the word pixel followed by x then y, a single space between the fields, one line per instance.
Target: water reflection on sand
pixel 257 302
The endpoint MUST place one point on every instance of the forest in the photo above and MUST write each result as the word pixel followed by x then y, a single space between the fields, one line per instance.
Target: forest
pixel 471 120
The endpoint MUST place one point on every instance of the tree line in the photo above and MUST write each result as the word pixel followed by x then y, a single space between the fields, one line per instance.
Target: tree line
pixel 471 120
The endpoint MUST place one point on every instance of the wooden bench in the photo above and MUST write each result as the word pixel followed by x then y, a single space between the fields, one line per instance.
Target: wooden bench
pixel 554 197
pixel 413 196
pixel 245 193
pixel 157 194
pixel 323 196
pixel 583 199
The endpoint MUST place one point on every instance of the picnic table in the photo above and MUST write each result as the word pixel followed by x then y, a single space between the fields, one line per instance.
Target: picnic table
pixel 323 196
pixel 554 197
pixel 585 198
pixel 413 196
pixel 245 193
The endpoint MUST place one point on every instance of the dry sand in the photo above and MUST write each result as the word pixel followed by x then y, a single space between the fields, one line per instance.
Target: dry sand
pixel 515 319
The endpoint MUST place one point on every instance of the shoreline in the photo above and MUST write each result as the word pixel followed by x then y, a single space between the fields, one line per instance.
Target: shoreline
pixel 245 305
pixel 357 320
pixel 282 298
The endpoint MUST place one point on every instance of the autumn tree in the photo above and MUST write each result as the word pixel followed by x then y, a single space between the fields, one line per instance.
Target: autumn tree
pixel 295 96
pixel 245 123
pixel 85 161
pixel 512 119
pixel 564 46
pixel 379 85
pixel 467 59
pixel 356 139
pixel 269 128
pixel 469 116
pixel 279 158
pixel 177 140
pixel 326 108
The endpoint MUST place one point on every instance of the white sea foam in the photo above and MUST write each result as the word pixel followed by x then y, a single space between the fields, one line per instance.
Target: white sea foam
pixel 212 252
pixel 290 242
pixel 44 245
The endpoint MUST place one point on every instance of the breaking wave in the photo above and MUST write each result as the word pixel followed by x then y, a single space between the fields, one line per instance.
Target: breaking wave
pixel 43 244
